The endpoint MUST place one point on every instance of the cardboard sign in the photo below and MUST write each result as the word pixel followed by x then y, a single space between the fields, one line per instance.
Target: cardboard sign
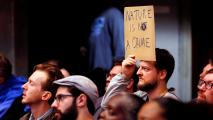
pixel 139 32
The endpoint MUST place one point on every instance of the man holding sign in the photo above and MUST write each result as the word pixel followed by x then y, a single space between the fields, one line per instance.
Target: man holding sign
pixel 155 65
pixel 153 77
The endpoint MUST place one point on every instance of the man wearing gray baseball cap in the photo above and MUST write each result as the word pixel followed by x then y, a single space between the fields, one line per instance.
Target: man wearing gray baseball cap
pixel 75 98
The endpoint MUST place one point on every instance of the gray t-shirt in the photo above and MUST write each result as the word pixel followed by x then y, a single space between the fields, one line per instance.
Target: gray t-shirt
pixel 119 84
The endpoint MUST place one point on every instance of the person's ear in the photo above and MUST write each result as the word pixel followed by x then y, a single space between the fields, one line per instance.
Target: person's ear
pixel 130 85
pixel 163 74
pixel 46 95
pixel 81 100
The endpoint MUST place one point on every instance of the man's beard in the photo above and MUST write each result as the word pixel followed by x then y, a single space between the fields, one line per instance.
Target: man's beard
pixel 200 97
pixel 147 87
pixel 71 113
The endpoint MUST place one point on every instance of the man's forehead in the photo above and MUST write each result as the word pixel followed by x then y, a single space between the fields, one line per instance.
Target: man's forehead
pixel 38 75
pixel 114 101
pixel 151 108
pixel 208 67
pixel 62 89
pixel 210 70
pixel 116 68
pixel 147 63
pixel 208 77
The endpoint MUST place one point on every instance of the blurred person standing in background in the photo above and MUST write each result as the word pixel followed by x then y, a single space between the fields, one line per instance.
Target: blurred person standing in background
pixel 11 107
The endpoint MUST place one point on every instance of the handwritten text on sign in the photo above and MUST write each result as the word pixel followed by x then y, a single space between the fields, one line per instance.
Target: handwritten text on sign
pixel 139 29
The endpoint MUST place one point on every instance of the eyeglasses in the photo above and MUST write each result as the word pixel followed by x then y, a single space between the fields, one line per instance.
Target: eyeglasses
pixel 208 86
pixel 61 97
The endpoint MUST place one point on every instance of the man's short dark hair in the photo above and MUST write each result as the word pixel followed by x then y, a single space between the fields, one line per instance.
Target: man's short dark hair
pixel 117 61
pixel 76 92
pixel 54 73
pixel 165 61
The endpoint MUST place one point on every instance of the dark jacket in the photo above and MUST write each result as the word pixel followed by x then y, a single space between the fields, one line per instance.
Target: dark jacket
pixel 11 107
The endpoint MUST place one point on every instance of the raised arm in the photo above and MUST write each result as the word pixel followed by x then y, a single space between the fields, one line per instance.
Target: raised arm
pixel 120 82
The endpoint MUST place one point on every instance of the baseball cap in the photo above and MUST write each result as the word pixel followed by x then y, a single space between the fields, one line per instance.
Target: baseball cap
pixel 82 83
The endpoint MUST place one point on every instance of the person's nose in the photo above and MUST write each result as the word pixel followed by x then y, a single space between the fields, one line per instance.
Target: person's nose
pixel 102 115
pixel 24 86
pixel 202 87
pixel 108 78
pixel 54 104
pixel 139 72
pixel 202 75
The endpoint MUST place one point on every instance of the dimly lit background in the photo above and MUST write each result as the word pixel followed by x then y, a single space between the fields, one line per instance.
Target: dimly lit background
pixel 32 32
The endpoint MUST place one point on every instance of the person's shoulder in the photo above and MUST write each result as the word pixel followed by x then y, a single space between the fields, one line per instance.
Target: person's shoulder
pixel 51 116
pixel 26 116
pixel 172 95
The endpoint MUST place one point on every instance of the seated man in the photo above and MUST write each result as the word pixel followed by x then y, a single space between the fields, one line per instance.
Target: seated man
pixel 75 98
pixel 153 77
pixel 206 69
pixel 205 88
pixel 39 92
pixel 162 109
pixel 116 69
pixel 204 93
pixel 123 106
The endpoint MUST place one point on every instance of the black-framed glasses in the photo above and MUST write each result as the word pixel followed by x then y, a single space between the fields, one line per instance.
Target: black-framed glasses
pixel 207 85
pixel 61 97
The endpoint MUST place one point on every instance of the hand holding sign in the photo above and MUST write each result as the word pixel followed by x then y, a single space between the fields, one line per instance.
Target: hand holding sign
pixel 139 30
pixel 128 66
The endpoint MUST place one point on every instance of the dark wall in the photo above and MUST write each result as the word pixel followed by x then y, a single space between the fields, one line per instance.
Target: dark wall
pixel 58 30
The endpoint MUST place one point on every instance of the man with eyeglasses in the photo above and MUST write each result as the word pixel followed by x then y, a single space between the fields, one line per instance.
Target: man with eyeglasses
pixel 75 98
pixel 208 68
pixel 153 77
pixel 116 69
pixel 205 87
